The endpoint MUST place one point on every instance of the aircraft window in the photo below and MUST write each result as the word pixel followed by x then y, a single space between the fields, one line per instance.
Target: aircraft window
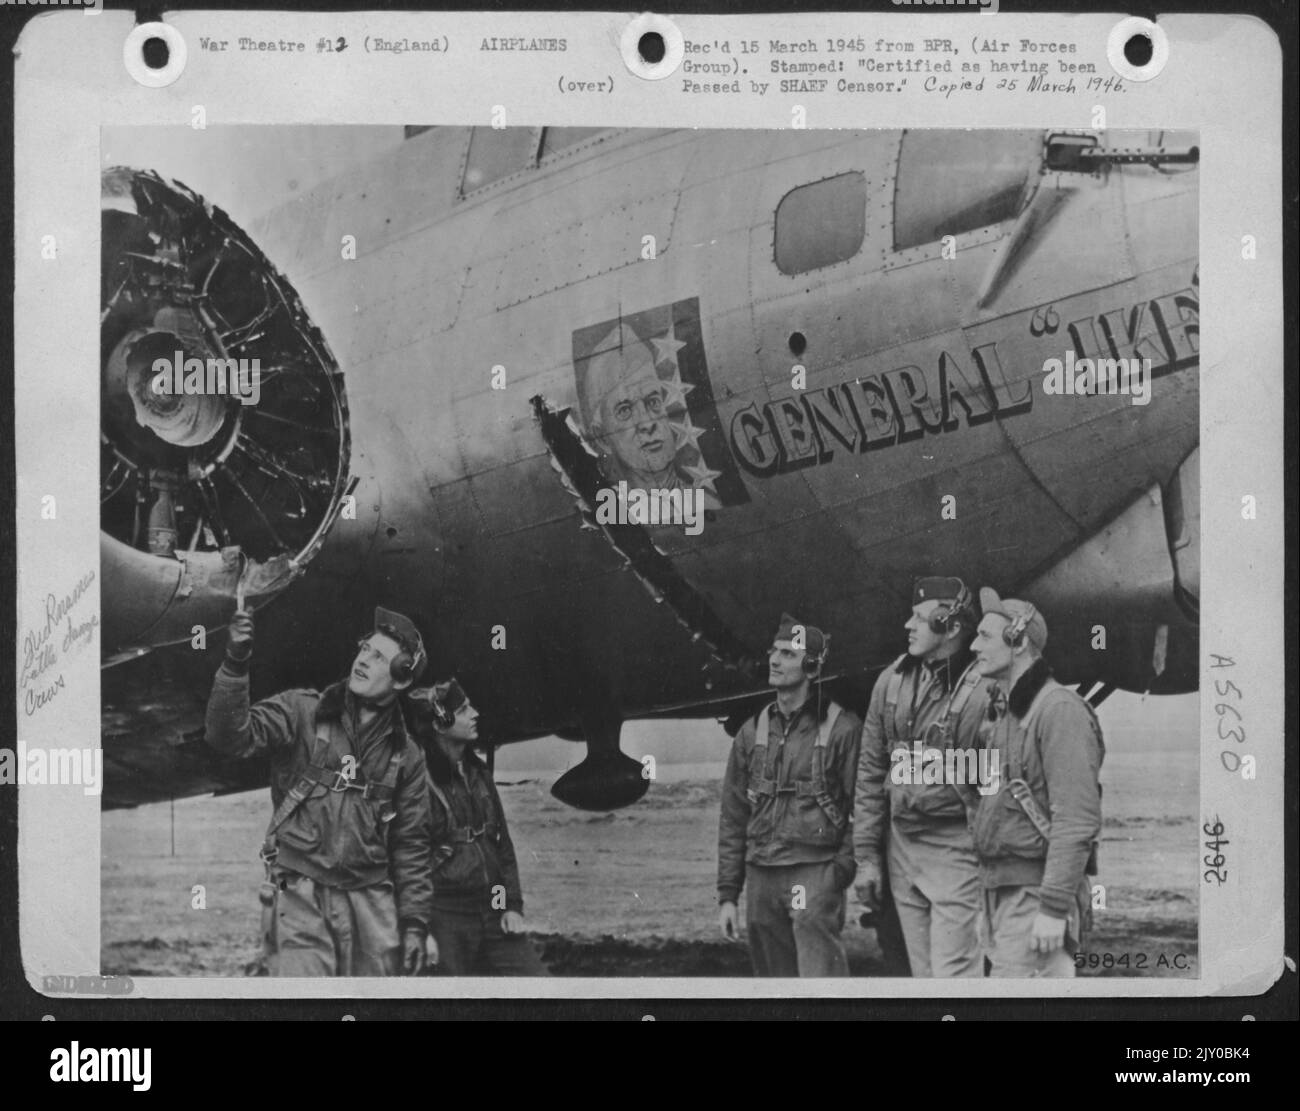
pixel 558 138
pixel 821 224
pixel 951 182
pixel 495 153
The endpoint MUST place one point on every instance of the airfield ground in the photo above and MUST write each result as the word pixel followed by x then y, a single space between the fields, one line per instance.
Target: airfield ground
pixel 627 893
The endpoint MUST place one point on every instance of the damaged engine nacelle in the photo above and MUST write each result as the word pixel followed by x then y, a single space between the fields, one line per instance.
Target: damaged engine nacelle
pixel 219 477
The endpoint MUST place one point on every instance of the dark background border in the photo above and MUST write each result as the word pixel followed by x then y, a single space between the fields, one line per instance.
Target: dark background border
pixel 19 1001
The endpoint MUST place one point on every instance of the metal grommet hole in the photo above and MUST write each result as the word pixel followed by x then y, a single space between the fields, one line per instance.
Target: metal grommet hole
pixel 1137 49
pixel 154 54
pixel 652 47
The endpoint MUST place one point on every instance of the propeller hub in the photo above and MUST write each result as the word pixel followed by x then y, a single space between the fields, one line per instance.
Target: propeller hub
pixel 159 399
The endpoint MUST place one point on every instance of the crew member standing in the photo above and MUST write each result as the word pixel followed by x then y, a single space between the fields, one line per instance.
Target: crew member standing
pixel 785 832
pixel 478 906
pixel 1036 837
pixel 347 889
pixel 932 697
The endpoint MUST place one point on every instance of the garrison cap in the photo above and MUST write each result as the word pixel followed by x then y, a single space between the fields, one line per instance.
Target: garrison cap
pixel 445 695
pixel 405 631
pixel 1013 609
pixel 814 640
pixel 451 694
pixel 937 587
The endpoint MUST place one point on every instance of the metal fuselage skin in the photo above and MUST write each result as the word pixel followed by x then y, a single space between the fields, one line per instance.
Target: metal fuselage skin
pixel 921 441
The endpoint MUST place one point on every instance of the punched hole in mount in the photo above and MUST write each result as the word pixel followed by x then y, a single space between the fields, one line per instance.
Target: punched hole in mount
pixel 1138 50
pixel 156 53
pixel 651 47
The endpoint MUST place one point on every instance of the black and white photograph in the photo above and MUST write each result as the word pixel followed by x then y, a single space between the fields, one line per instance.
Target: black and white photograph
pixel 630 552
pixel 556 515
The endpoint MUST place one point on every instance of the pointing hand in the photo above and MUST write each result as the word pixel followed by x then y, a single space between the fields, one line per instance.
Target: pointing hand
pixel 239 639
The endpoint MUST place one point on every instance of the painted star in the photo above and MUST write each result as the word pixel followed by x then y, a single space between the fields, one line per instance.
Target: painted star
pixel 667 346
pixel 702 476
pixel 676 391
pixel 687 433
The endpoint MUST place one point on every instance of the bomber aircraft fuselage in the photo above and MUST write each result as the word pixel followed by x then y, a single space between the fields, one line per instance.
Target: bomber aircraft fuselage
pixel 838 345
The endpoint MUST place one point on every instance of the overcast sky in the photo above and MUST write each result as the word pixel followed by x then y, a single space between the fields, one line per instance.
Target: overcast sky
pixel 1129 723
pixel 246 170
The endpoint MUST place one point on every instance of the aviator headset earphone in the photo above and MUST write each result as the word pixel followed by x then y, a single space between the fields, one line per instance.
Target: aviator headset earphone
pixel 430 708
pixel 443 718
pixel 943 617
pixel 407 664
pixel 1013 633
pixel 812 665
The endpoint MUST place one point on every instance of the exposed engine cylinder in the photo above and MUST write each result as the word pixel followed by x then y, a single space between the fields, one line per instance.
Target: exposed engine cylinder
pixel 223 418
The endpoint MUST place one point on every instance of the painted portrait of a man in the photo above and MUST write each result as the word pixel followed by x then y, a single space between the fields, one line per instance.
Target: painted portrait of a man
pixel 645 410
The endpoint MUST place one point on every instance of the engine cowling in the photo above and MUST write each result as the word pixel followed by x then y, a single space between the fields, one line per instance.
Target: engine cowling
pixel 223 419
pixel 1132 591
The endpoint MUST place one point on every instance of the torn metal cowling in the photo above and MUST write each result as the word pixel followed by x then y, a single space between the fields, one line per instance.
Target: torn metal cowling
pixel 579 469
pixel 197 470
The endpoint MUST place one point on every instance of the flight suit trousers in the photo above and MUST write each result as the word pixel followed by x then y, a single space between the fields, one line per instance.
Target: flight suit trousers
pixel 794 914
pixel 1009 914
pixel 313 930
pixel 889 932
pixel 472 943
pixel 934 875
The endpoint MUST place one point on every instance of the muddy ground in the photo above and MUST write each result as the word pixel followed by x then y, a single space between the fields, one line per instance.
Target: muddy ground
pixel 628 893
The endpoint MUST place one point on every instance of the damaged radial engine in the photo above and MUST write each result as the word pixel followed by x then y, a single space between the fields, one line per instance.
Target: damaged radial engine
pixel 204 498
